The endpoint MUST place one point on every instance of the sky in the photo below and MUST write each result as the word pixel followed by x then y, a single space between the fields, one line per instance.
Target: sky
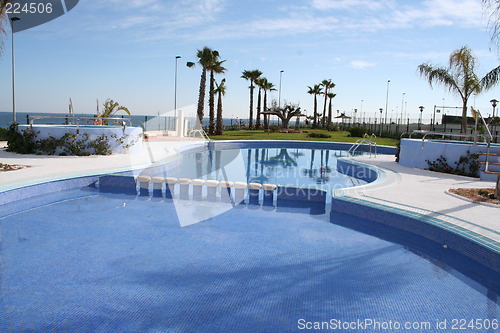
pixel 125 50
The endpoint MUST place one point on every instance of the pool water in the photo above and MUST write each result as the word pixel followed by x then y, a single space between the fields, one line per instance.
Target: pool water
pixel 282 166
pixel 89 261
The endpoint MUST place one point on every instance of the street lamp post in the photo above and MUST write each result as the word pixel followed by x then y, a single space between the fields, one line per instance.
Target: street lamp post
pixel 434 119
pixel 402 105
pixel 420 119
pixel 175 93
pixel 380 132
pixel 386 101
pixel 279 95
pixel 279 92
pixel 12 20
pixel 494 103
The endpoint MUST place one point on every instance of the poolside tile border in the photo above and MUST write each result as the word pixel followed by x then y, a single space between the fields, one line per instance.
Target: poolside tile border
pixel 478 247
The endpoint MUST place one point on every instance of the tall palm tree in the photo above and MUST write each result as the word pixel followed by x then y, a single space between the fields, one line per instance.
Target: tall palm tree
pixel 220 91
pixel 251 76
pixel 315 90
pixel 266 86
pixel 217 68
pixel 259 83
pixel 330 97
pixel 460 77
pixel 327 85
pixel 205 58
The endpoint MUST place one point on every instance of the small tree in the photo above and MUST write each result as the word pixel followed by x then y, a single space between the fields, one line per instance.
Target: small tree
pixel 111 108
pixel 284 113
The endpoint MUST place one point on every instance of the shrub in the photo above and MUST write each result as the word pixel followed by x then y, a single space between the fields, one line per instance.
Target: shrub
pixel 467 165
pixel 319 135
pixel 21 142
pixel 357 131
pixel 3 134
pixel 333 128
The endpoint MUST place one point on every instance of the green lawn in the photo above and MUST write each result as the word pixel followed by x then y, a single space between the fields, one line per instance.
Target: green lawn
pixel 262 135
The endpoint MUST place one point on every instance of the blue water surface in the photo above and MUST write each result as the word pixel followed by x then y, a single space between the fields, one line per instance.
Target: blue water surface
pixel 94 262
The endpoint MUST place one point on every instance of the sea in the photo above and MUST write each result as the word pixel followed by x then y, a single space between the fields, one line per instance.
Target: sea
pixel 152 122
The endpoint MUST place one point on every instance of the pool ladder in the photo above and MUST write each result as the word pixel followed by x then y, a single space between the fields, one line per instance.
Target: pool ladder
pixel 201 132
pixel 369 140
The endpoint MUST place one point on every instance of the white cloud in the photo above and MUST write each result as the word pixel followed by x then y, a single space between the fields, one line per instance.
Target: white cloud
pixel 360 64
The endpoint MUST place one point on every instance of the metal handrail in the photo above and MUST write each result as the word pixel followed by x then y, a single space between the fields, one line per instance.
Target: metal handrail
pixel 364 140
pixel 426 133
pixel 487 164
pixel 33 118
pixel 202 133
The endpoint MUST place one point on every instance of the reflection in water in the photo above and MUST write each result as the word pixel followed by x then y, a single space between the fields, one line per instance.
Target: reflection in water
pixel 281 166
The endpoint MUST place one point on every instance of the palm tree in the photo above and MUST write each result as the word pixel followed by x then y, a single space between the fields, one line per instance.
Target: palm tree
pixel 205 58
pixel 251 76
pixel 220 91
pixel 315 90
pixel 460 77
pixel 110 108
pixel 3 19
pixel 327 84
pixel 259 82
pixel 217 68
pixel 266 86
pixel 494 7
pixel 330 97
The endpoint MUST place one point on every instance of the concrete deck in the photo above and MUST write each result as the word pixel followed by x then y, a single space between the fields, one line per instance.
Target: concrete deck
pixel 425 192
pixel 411 189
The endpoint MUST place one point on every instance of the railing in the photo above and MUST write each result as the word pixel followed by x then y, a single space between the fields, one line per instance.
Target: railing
pixel 443 134
pixel 93 120
pixel 201 132
pixel 365 140
pixel 486 167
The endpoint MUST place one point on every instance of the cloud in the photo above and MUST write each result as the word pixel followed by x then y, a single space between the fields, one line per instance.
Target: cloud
pixel 222 19
pixel 360 64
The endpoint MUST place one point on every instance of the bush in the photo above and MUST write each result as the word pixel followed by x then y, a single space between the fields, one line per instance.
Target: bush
pixel 467 165
pixel 333 128
pixel 319 135
pixel 22 143
pixel 3 134
pixel 357 131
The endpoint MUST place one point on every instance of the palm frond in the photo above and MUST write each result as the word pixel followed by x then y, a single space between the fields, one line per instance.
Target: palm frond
pixel 490 79
pixel 438 75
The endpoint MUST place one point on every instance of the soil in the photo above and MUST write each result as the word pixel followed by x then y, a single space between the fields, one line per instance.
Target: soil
pixel 474 194
pixel 11 167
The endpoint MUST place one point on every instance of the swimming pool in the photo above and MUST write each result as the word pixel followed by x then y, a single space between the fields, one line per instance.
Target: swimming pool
pixel 122 262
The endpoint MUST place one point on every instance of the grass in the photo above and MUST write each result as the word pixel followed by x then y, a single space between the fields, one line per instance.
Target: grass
pixel 262 135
